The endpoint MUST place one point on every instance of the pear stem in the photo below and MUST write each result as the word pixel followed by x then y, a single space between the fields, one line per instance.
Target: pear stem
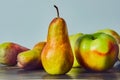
pixel 57 11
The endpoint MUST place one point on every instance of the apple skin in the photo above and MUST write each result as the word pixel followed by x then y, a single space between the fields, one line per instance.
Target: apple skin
pixel 114 34
pixel 73 39
pixel 96 52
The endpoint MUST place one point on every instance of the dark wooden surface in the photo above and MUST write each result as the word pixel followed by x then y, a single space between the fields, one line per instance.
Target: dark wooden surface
pixel 14 73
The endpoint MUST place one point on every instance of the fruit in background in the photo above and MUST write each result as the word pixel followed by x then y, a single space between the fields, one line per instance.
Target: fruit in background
pixel 75 72
pixel 57 57
pixel 119 51
pixel 9 52
pixel 73 39
pixel 96 52
pixel 114 34
pixel 39 45
pixel 31 59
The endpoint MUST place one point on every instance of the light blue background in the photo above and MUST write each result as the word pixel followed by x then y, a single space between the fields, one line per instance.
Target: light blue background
pixel 26 21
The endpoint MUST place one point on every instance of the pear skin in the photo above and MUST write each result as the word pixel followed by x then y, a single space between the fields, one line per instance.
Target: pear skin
pixel 39 45
pixel 57 57
pixel 31 59
pixel 9 52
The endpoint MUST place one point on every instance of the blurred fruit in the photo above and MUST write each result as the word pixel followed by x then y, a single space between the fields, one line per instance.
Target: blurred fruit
pixel 57 57
pixel 9 52
pixel 73 39
pixel 96 52
pixel 31 59
pixel 112 33
pixel 119 51
pixel 39 45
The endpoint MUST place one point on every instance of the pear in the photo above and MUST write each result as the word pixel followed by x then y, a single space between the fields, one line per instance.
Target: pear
pixel 57 57
pixel 31 59
pixel 9 52
pixel 39 45
pixel 73 38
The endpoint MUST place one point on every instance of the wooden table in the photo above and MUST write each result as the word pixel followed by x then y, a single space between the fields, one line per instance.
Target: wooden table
pixel 14 73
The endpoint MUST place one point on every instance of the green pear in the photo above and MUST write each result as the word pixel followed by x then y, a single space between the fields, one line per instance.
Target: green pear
pixel 73 39
pixel 57 57
pixel 31 59
pixel 9 52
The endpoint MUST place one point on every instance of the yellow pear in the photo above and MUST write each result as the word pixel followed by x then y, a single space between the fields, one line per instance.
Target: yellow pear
pixel 57 57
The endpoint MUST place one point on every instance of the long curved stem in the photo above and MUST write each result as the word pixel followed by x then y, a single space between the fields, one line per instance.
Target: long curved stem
pixel 57 10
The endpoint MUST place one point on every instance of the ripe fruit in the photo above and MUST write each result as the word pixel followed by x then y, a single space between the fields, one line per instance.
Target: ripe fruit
pixel 73 38
pixel 39 45
pixel 111 32
pixel 9 52
pixel 96 52
pixel 57 57
pixel 31 59
pixel 114 34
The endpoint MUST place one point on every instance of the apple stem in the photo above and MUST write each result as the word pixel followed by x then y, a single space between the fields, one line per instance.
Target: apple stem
pixel 57 11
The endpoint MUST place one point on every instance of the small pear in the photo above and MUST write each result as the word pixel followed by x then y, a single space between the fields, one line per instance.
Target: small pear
pixel 9 52
pixel 57 57
pixel 31 59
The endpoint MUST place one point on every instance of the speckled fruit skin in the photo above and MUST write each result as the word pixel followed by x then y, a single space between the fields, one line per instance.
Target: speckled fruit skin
pixel 96 52
pixel 57 57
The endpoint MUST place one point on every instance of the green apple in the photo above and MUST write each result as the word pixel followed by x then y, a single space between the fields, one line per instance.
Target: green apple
pixel 96 52
pixel 73 39
pixel 114 34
